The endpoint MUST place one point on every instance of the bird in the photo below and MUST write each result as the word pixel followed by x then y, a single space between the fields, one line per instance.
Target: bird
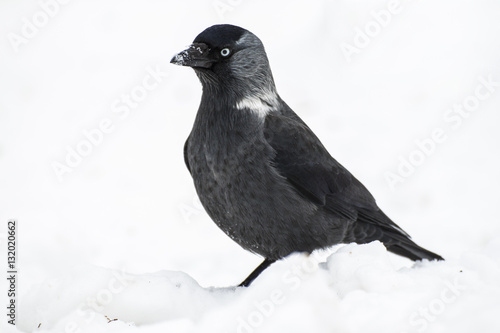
pixel 260 172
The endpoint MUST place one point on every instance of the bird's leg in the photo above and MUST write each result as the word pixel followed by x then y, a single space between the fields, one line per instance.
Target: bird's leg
pixel 265 264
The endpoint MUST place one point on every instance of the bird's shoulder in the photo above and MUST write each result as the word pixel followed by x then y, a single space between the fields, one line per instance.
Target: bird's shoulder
pixel 303 160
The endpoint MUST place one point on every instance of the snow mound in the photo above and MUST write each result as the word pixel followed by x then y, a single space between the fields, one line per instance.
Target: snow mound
pixel 358 288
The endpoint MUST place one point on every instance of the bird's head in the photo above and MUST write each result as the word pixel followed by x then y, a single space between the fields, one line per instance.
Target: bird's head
pixel 229 58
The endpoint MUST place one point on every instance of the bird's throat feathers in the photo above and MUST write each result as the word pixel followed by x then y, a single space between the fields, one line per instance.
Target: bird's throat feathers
pixel 260 104
pixel 257 104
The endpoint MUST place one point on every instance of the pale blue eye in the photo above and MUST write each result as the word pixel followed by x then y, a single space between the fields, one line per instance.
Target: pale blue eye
pixel 225 52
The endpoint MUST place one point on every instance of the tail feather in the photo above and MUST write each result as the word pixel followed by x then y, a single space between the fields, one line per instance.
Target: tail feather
pixel 413 251
pixel 393 237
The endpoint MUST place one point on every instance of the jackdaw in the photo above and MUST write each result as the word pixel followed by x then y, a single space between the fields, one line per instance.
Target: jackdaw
pixel 260 172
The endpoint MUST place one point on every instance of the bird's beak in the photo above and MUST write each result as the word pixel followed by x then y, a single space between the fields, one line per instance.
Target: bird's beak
pixel 196 55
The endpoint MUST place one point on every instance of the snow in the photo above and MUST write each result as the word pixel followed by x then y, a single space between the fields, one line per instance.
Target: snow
pixel 121 234
pixel 357 289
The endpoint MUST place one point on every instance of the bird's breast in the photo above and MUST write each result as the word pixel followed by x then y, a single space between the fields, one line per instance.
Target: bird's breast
pixel 225 158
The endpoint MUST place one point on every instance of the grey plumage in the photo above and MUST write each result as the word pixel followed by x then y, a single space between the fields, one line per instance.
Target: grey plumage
pixel 261 174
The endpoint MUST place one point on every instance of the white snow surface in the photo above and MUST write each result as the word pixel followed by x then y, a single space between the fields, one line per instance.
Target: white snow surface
pixel 119 233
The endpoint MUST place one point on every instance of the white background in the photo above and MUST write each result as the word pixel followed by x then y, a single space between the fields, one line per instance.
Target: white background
pixel 130 204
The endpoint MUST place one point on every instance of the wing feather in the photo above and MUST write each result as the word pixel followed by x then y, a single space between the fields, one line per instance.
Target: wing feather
pixel 303 160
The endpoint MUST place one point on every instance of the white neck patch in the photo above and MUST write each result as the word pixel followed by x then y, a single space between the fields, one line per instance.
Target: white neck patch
pixel 260 104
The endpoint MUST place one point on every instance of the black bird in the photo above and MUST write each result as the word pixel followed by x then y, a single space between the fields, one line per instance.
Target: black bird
pixel 261 174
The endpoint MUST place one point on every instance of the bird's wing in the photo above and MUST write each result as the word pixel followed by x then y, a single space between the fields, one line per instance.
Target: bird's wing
pixel 306 164
pixel 185 154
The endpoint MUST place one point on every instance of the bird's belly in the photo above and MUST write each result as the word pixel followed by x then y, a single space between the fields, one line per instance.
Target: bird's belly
pixel 257 207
